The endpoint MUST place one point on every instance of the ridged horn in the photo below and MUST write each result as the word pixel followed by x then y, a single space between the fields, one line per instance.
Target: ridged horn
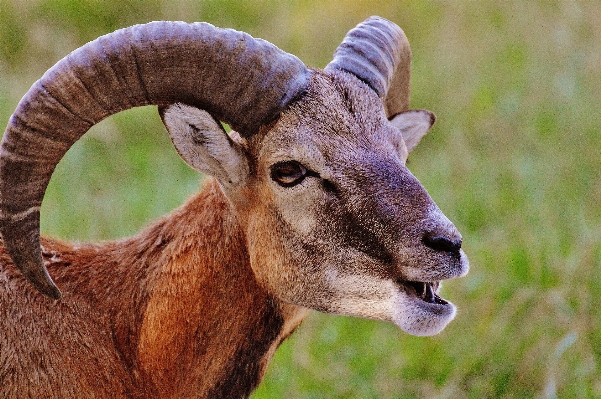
pixel 378 53
pixel 242 81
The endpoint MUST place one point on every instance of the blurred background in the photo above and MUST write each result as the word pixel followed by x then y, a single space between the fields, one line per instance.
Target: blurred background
pixel 514 160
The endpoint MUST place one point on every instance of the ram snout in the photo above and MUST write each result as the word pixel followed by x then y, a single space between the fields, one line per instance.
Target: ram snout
pixel 419 307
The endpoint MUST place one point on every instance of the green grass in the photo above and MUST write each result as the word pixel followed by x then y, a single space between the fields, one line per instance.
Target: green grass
pixel 514 160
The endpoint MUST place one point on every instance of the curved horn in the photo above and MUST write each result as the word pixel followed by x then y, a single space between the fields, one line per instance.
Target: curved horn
pixel 242 81
pixel 377 52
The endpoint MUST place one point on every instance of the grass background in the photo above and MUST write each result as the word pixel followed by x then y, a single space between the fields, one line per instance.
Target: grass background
pixel 514 161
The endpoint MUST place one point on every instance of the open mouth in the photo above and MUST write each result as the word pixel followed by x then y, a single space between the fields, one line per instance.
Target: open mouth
pixel 426 291
pixel 419 310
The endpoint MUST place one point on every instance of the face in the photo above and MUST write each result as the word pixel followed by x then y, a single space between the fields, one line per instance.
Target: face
pixel 334 220
pixel 337 223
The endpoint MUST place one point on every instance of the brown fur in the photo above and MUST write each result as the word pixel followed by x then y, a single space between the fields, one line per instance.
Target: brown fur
pixel 172 312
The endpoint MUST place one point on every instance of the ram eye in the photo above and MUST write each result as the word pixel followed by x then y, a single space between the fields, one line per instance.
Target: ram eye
pixel 288 173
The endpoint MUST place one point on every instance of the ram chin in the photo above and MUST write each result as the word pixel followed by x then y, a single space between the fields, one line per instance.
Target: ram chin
pixel 416 316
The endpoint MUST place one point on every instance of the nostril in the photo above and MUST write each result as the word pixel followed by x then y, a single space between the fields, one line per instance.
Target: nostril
pixel 442 243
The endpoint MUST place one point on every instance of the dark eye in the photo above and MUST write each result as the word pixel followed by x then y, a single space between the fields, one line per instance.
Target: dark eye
pixel 288 173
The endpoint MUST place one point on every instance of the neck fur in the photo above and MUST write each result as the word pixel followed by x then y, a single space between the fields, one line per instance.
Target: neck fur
pixel 185 309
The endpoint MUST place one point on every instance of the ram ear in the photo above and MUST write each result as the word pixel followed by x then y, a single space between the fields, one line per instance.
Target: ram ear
pixel 413 125
pixel 204 145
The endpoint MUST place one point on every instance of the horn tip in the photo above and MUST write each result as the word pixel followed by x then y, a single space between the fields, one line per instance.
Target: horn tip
pixel 51 291
pixel 41 280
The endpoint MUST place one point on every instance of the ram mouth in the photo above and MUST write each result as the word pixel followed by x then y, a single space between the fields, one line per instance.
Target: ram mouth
pixel 426 291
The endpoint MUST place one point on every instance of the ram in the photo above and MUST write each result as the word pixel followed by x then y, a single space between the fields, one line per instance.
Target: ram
pixel 310 206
